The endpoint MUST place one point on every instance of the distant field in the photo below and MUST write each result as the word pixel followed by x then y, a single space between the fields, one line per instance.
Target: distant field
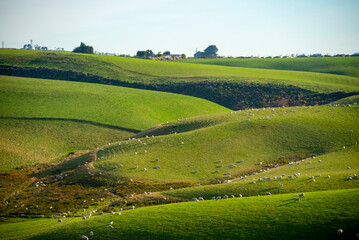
pixel 43 120
pixel 253 136
pixel 348 66
pixel 148 71
pixel 316 216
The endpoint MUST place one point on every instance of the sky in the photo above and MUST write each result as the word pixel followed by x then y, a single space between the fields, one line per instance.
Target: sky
pixel 236 27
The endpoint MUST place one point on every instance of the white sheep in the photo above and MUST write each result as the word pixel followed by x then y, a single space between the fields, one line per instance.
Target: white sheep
pixel 91 234
pixel 340 231
pixel 110 226
pixel 83 237
pixel 301 195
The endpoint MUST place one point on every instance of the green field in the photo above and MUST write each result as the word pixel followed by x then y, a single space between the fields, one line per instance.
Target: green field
pixel 124 147
pixel 316 216
pixel 348 66
pixel 148 71
pixel 43 120
pixel 265 137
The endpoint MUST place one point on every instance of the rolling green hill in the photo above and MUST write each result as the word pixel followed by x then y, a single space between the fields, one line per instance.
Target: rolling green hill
pixel 254 136
pixel 42 120
pixel 348 66
pixel 318 215
pixel 220 84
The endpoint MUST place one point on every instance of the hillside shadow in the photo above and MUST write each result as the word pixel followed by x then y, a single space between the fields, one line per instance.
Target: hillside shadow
pixel 74 120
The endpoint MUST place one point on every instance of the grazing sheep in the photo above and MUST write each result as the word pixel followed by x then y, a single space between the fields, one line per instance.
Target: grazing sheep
pixel 59 221
pixel 182 143
pixel 232 196
pixel 133 207
pixel 340 231
pixel 328 176
pixel 240 195
pixel 268 193
pixel 111 223
pixel 110 226
pixel 91 234
pixel 280 185
pixel 218 198
pixel 145 169
pixel 213 198
pixel 83 217
pixel 119 213
pixel 225 196
pixel 83 237
pixel 200 199
pixel 219 161
pixel 296 199
pixel 348 167
pixel 301 195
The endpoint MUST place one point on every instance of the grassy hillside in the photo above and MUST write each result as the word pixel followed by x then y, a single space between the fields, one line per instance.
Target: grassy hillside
pixel 332 164
pixel 42 121
pixel 108 105
pixel 316 216
pixel 348 66
pixel 253 136
pixel 147 71
pixel 29 142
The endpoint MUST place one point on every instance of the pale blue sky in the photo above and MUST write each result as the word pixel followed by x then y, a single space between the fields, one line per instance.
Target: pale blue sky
pixel 236 27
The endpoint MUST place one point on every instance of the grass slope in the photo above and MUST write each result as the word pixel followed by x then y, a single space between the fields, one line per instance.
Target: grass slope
pixel 316 216
pixel 30 142
pixel 147 71
pixel 253 136
pixel 348 66
pixel 116 106
pixel 43 120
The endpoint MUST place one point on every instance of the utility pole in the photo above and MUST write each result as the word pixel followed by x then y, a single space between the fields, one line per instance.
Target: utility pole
pixel 2 44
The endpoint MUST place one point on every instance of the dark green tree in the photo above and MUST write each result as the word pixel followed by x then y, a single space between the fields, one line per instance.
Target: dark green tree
pixel 166 53
pixel 83 48
pixel 211 51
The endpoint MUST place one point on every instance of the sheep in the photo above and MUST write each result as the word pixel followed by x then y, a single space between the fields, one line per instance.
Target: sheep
pixel 133 207
pixel 350 131
pixel 200 199
pixel 328 176
pixel 240 195
pixel 340 231
pixel 213 198
pixel 110 227
pixel 219 161
pixel 296 199
pixel 145 169
pixel 83 237
pixel 268 193
pixel 59 221
pixel 218 198
pixel 111 223
pixel 182 143
pixel 91 234
pixel 280 185
pixel 225 196
pixel 83 218
pixel 232 196
pixel 119 213
pixel 348 167
pixel 301 195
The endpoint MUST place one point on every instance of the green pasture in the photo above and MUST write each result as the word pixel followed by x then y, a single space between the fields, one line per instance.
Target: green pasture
pixel 318 215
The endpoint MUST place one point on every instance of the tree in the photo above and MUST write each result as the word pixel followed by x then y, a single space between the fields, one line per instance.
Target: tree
pixel 166 53
pixel 211 51
pixel 83 48
pixel 145 54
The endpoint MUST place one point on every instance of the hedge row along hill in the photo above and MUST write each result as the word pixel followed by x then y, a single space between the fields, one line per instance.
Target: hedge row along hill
pixel 235 88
